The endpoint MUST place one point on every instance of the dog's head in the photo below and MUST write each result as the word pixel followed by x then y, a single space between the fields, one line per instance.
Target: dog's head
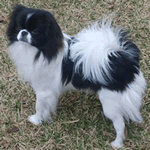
pixel 37 28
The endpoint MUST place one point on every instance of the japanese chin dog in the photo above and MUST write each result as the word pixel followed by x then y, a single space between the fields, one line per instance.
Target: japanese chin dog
pixel 101 58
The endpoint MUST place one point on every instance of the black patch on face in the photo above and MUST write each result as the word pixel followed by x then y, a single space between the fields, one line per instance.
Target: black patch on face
pixel 45 32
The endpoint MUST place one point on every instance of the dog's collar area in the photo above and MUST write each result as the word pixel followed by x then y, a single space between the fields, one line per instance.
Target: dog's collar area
pixel 67 63
pixel 70 42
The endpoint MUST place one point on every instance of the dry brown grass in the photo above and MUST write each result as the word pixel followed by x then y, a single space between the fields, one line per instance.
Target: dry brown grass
pixel 80 123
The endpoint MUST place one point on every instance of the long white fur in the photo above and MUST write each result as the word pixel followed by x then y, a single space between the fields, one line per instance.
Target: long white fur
pixel 92 50
pixel 131 99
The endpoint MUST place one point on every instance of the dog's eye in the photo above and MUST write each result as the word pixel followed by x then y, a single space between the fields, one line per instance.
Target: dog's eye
pixel 35 32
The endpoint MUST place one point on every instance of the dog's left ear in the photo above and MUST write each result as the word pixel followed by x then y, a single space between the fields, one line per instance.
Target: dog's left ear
pixel 54 38
pixel 54 32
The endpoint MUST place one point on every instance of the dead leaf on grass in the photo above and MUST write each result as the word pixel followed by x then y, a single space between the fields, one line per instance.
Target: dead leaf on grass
pixel 13 129
pixel 2 19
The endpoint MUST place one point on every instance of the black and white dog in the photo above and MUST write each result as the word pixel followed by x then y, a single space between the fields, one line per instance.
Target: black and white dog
pixel 100 58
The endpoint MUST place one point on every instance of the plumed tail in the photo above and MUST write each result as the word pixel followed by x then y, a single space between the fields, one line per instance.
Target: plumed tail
pixel 131 99
pixel 102 52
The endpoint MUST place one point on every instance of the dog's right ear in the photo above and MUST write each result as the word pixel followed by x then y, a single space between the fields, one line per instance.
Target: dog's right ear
pixel 12 26
pixel 18 8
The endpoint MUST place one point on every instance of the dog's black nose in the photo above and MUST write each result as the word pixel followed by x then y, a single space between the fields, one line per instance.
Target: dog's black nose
pixel 24 33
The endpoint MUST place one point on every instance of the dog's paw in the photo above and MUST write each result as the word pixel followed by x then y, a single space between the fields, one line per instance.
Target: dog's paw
pixel 35 119
pixel 115 144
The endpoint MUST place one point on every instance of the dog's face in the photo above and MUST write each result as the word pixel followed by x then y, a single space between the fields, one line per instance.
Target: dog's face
pixel 37 28
pixel 30 29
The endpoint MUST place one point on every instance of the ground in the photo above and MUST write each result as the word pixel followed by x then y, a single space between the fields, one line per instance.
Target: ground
pixel 80 122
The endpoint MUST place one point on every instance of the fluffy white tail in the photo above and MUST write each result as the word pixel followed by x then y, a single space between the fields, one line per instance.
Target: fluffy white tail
pixel 131 99
pixel 95 45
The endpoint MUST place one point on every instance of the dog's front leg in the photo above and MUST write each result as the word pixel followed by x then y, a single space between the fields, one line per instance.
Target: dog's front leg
pixel 46 103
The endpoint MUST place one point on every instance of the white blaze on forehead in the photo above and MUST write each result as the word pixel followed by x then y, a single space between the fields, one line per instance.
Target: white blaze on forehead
pixel 28 16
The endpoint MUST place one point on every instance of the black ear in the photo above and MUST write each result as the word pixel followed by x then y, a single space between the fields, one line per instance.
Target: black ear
pixel 54 41
pixel 54 31
pixel 12 27
pixel 18 8
pixel 54 38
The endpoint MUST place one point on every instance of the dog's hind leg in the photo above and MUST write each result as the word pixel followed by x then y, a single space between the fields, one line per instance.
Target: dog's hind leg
pixel 111 106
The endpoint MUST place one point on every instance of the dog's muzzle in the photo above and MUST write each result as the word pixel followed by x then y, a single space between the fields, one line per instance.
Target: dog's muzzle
pixel 24 36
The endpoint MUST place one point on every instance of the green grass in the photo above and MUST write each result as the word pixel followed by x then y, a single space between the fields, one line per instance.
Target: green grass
pixel 80 122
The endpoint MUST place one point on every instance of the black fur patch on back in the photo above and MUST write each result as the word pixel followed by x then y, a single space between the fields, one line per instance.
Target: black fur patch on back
pixel 124 65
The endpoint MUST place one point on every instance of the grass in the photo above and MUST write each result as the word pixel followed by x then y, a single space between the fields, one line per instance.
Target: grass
pixel 80 122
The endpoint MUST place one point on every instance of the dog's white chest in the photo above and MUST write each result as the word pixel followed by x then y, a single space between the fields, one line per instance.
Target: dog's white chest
pixel 23 57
